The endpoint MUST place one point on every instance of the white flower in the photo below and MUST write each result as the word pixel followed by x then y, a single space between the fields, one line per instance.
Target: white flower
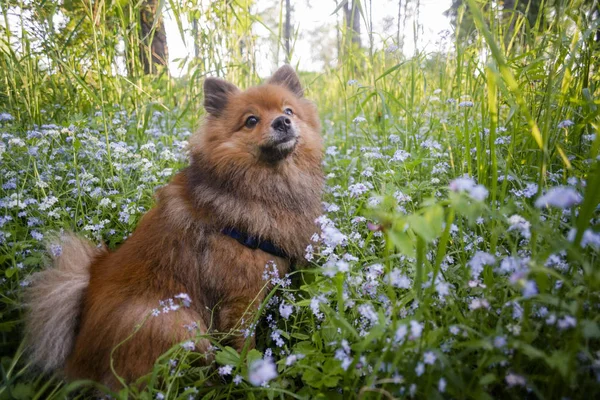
pixel 442 385
pixel 462 184
pixel 332 236
pixel 359 120
pixel 189 345
pixel 238 379
pixel 420 369
pixel 429 358
pixel 560 197
pixel 465 104
pixel 479 260
pixel 416 328
pixel 520 224
pixel 467 184
pixel 479 193
pixel 401 333
pixel 357 189
pixel 397 279
pixel 285 310
pixel 478 303
pixel 185 299
pixel 225 370
pixel 262 371
pixel 400 156
pixel 368 312
pixel 291 359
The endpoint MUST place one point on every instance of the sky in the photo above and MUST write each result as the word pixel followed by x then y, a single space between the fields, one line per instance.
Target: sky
pixel 311 14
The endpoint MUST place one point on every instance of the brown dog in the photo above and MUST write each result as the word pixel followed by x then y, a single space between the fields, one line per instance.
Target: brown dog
pixel 250 195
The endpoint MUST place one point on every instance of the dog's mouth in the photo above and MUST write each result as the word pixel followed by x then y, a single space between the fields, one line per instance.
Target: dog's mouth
pixel 278 150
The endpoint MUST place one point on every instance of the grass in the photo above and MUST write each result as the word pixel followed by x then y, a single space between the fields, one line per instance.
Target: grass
pixel 449 264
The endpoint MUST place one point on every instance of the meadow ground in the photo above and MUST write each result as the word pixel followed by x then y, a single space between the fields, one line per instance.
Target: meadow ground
pixel 459 246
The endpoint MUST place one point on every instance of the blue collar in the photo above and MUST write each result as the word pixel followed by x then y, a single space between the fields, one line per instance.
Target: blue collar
pixel 254 243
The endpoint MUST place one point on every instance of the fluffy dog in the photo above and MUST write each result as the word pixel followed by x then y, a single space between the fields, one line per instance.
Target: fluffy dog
pixel 250 195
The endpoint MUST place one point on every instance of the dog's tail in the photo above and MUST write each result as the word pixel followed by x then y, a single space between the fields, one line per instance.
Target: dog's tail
pixel 54 299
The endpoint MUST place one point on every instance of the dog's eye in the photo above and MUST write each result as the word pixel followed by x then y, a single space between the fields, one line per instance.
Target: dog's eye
pixel 288 111
pixel 251 121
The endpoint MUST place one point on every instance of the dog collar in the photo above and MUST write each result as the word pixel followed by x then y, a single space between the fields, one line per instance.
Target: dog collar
pixel 254 243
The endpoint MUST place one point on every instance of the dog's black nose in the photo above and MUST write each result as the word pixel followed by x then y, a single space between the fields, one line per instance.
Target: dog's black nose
pixel 281 123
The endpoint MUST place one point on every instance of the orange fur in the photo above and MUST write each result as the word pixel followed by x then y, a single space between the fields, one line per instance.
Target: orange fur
pixel 235 178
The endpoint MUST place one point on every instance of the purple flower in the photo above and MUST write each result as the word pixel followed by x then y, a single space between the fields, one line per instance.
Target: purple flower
pixel 560 197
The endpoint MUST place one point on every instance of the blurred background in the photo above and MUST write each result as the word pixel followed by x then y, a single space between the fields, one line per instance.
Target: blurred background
pixel 155 53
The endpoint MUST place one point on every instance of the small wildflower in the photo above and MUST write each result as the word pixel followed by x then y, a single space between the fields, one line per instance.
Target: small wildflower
pixel 567 322
pixel 479 260
pixel 416 328
pixel 420 369
pixel 565 124
pixel 499 342
pixel 429 358
pixel 442 385
pixel 225 370
pixel 560 197
pixel 513 379
pixel 285 310
pixel 185 299
pixel 189 345
pixel 262 371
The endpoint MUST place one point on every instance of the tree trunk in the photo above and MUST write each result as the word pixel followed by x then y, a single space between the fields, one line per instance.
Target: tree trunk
pixel 153 42
pixel 352 13
pixel 399 24
pixel 195 34
pixel 287 31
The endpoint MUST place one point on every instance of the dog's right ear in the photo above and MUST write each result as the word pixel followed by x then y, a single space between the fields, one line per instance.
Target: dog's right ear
pixel 216 95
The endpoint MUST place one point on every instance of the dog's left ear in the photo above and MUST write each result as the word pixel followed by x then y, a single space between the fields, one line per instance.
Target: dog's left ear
pixel 216 95
pixel 287 77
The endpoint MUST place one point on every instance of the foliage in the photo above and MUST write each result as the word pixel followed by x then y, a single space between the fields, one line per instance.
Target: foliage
pixel 458 255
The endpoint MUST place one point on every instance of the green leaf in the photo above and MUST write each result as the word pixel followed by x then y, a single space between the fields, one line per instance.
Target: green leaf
pixel 404 244
pixel 559 360
pixel 10 271
pixel 228 356
pixel 590 329
pixel 32 260
pixel 22 391
pixel 487 379
pixel 301 336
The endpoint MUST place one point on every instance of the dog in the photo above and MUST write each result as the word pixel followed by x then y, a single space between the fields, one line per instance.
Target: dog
pixel 250 196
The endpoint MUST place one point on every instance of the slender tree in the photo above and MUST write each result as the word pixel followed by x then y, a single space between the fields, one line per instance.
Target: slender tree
pixel 352 13
pixel 287 30
pixel 153 38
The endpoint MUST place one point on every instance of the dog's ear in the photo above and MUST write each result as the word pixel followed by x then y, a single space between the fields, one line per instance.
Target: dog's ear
pixel 216 95
pixel 286 76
